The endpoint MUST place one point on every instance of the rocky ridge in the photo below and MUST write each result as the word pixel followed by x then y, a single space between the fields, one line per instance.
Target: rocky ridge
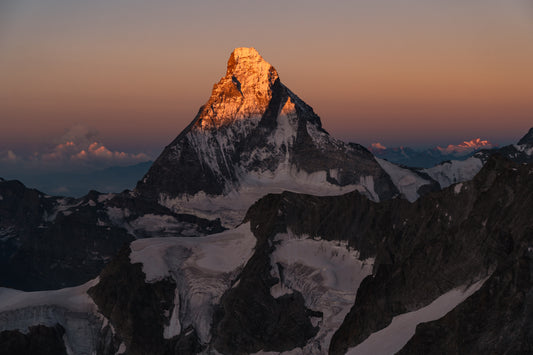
pixel 49 242
pixel 252 137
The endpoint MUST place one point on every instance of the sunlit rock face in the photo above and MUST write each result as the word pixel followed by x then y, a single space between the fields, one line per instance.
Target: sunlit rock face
pixel 255 136
pixel 244 92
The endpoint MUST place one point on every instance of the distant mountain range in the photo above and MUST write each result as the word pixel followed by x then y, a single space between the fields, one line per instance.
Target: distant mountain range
pixel 112 179
pixel 426 158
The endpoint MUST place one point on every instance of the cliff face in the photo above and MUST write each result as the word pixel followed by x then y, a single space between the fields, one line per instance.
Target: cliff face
pixel 314 255
pixel 256 134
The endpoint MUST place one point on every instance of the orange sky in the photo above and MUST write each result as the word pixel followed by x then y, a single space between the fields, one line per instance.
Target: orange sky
pixel 400 72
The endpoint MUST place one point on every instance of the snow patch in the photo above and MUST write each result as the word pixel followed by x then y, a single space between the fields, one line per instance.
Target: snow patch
pixel 222 252
pixel 203 269
pixel 121 349
pixel 457 188
pixel 173 328
pixel 525 148
pixel 393 338
pixel 105 197
pixel 63 206
pixel 455 171
pixel 72 298
pixel 71 307
pixel 405 180
pixel 326 273
pixel 232 206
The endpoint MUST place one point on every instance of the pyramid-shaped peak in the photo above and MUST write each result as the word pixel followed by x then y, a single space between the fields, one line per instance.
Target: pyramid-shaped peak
pixel 244 92
pixel 246 62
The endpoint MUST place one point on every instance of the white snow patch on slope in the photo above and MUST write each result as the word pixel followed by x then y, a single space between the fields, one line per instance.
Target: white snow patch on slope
pixel 121 349
pixel 457 188
pixel 151 225
pixel 203 268
pixel 71 307
pixel 393 338
pixel 105 197
pixel 326 273
pixel 455 171
pixel 405 180
pixel 63 206
pixel 159 225
pixel 231 207
pixel 174 327
pixel 72 298
pixel 526 148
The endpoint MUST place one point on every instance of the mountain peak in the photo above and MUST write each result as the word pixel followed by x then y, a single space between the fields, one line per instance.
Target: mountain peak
pixel 244 92
pixel 244 58
pixel 466 147
pixel 528 138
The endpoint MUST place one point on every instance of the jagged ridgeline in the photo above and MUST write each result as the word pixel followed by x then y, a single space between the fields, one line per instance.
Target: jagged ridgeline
pixel 210 255
pixel 255 136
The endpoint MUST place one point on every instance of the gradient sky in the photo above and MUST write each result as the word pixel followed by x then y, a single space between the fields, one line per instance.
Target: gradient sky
pixel 399 72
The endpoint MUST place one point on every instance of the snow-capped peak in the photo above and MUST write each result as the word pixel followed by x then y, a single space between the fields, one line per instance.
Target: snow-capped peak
pixel 244 92
pixel 375 147
pixel 255 136
pixel 466 147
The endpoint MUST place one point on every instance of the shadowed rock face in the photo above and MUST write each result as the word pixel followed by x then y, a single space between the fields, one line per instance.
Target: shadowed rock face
pixel 527 139
pixel 39 340
pixel 250 319
pixel 253 124
pixel 51 242
pixel 422 250
pixel 444 240
pixel 498 319
pixel 449 239
pixel 137 309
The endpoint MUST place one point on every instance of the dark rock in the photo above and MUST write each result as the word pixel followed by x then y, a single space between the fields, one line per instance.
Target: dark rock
pixel 249 318
pixel 447 241
pixel 527 139
pixel 49 242
pixel 498 319
pixel 39 340
pixel 137 309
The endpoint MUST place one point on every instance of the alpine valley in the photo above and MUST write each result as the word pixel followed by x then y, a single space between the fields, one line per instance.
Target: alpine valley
pixel 256 232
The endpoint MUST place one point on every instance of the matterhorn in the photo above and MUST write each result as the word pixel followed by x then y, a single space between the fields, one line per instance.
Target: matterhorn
pixel 255 136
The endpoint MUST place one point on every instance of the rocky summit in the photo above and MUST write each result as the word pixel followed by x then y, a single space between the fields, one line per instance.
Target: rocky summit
pixel 252 137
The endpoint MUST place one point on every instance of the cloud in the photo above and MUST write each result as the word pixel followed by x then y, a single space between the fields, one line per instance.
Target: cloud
pixel 86 152
pixel 8 156
pixel 377 146
pixel 78 149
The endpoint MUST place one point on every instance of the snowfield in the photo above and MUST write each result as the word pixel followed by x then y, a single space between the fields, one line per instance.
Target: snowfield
pixel 326 273
pixel 405 180
pixel 71 307
pixel 393 338
pixel 455 171
pixel 231 207
pixel 203 269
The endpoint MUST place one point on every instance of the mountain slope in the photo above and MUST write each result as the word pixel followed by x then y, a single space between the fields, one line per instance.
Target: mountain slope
pixel 49 242
pixel 112 179
pixel 255 136
pixel 455 171
pixel 426 158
